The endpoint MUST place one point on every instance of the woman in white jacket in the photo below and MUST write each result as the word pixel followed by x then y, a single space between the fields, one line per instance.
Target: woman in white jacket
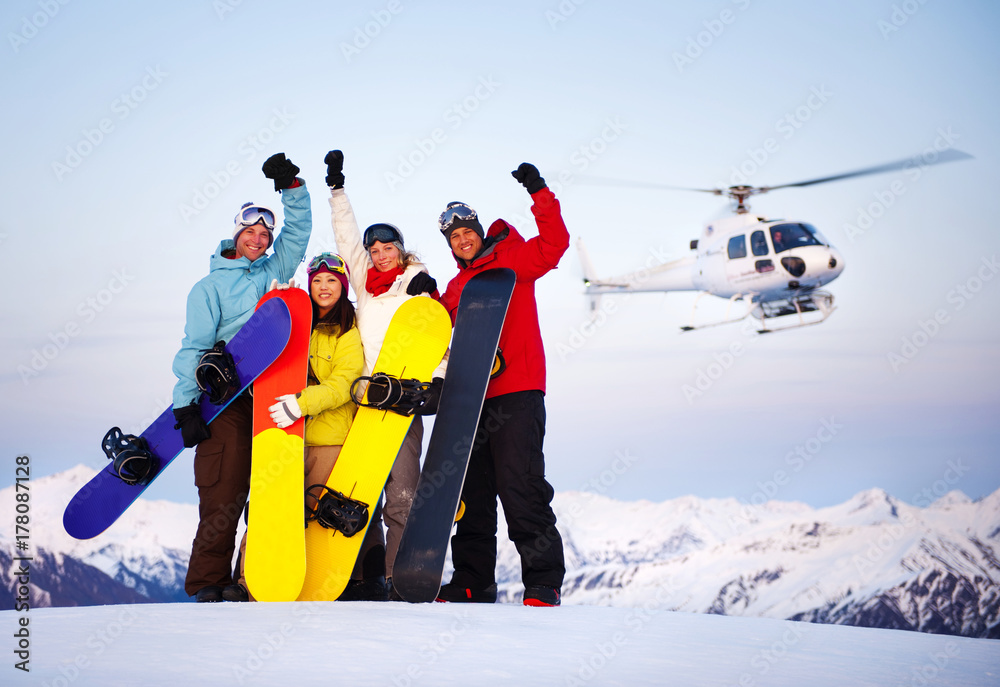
pixel 384 275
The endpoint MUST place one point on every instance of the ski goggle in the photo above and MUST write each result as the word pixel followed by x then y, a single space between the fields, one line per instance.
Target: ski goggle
pixel 455 211
pixel 332 261
pixel 383 233
pixel 251 214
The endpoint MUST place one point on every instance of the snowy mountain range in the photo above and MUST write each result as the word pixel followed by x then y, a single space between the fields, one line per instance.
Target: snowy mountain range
pixel 872 561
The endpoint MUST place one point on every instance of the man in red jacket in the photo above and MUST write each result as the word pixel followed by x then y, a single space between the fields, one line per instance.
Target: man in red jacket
pixel 507 459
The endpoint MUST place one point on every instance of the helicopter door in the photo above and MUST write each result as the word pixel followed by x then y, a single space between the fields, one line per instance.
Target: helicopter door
pixel 738 267
pixel 758 246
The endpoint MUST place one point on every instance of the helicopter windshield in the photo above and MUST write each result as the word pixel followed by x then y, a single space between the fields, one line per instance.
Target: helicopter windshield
pixel 793 235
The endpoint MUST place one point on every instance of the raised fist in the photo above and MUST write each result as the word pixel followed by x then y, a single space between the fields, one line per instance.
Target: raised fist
pixel 527 174
pixel 281 170
pixel 334 169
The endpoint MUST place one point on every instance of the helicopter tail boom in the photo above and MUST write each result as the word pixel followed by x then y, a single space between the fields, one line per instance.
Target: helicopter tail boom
pixel 669 276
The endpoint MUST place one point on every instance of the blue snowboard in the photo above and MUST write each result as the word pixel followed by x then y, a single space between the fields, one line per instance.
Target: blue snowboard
pixel 105 497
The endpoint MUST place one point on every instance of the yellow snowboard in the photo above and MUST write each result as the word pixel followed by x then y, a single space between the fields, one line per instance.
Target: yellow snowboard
pixel 275 553
pixel 414 344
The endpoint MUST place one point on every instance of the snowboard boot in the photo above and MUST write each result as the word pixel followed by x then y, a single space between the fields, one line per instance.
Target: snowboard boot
pixel 368 589
pixel 455 593
pixel 390 592
pixel 210 594
pixel 538 595
pixel 235 592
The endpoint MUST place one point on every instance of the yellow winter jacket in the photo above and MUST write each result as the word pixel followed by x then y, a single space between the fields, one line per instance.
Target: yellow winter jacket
pixel 336 361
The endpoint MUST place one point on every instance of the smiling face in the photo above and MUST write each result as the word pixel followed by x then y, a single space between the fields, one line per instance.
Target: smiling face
pixel 252 242
pixel 385 256
pixel 465 243
pixel 325 290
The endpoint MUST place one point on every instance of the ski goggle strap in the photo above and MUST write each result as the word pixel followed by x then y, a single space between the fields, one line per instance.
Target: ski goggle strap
pixel 251 214
pixel 383 233
pixel 332 261
pixel 455 211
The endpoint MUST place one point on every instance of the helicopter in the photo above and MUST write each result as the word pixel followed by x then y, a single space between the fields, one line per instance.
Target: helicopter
pixel 776 267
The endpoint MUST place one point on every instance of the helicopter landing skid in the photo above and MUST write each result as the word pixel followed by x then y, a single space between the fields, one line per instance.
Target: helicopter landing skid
pixel 820 302
pixel 726 319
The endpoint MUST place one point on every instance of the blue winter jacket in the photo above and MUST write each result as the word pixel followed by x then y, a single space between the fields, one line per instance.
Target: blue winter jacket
pixel 222 302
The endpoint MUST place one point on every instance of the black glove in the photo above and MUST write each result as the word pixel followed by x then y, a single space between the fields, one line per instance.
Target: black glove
pixel 430 406
pixel 334 169
pixel 281 170
pixel 527 175
pixel 193 427
pixel 421 283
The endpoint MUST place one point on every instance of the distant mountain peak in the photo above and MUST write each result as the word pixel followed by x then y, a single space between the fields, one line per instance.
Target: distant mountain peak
pixel 874 501
pixel 79 474
pixel 952 498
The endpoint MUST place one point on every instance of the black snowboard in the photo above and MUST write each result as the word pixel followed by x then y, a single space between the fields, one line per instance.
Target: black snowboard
pixel 419 562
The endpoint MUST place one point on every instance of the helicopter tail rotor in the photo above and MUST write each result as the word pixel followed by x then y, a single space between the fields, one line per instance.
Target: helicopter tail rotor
pixel 589 273
pixel 589 277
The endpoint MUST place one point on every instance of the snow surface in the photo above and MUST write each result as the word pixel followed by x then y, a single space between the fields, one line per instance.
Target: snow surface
pixel 367 643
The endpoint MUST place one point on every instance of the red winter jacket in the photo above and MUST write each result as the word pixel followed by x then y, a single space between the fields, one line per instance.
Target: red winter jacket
pixel 521 338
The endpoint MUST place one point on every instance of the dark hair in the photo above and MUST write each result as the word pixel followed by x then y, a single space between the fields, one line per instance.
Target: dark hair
pixel 341 315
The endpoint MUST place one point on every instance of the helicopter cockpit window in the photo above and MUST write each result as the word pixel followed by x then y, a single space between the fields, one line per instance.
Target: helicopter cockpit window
pixel 758 244
pixel 816 233
pixel 793 235
pixel 738 247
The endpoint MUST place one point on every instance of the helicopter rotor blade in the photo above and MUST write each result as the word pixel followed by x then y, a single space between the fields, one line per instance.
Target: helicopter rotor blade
pixel 947 155
pixel 605 181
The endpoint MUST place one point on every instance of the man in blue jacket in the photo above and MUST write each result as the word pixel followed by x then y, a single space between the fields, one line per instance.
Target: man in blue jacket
pixel 217 307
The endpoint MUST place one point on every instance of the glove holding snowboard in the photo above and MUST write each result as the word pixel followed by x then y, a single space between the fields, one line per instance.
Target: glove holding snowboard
pixel 281 286
pixel 194 429
pixel 430 406
pixel 286 411
pixel 421 282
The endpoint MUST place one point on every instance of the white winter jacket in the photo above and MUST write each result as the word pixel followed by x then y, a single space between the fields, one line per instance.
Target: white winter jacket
pixel 374 312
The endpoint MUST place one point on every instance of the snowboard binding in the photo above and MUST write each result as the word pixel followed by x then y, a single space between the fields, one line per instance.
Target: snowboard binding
pixel 401 396
pixel 216 374
pixel 131 458
pixel 333 510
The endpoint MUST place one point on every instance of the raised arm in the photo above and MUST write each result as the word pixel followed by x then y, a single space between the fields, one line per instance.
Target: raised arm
pixel 541 253
pixel 346 231
pixel 290 244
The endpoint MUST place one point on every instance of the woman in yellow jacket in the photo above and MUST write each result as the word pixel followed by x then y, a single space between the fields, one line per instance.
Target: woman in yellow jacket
pixel 336 359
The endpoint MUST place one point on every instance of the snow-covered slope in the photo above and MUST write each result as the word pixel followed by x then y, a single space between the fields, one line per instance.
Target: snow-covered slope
pixel 871 561
pixel 406 645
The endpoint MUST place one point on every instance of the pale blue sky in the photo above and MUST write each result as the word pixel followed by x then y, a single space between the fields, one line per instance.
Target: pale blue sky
pixel 134 131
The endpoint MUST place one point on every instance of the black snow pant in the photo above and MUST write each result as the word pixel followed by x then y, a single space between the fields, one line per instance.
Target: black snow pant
pixel 507 461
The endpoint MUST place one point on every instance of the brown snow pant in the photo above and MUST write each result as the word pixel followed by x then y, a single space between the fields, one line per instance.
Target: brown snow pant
pixel 222 475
